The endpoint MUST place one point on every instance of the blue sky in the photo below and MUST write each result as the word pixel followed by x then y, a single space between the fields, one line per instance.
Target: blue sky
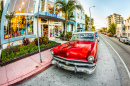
pixel 104 8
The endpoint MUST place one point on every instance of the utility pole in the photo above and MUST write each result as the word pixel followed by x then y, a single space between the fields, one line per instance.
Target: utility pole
pixel 38 32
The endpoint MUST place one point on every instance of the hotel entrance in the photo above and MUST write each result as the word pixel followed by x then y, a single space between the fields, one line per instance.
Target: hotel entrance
pixel 51 28
pixel 55 30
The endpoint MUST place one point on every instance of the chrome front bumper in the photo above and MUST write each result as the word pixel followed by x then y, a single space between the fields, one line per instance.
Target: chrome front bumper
pixel 74 65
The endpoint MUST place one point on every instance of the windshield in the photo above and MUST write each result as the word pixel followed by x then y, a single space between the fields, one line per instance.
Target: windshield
pixel 86 36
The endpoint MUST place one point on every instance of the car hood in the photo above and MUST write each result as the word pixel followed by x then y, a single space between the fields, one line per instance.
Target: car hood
pixel 75 49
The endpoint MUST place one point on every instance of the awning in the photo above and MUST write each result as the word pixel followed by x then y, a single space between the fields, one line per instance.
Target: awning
pixel 46 15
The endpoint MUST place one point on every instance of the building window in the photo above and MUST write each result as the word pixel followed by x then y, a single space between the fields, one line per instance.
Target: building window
pixel 128 27
pixel 71 27
pixel 21 6
pixel 128 20
pixel 128 34
pixel 50 7
pixel 42 5
pixel 21 24
pixel 77 15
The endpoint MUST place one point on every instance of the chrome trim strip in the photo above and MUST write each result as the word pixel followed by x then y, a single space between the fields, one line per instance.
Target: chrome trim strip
pixel 74 63
pixel 74 68
pixel 73 60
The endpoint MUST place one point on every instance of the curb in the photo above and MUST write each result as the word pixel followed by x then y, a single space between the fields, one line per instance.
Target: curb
pixel 27 55
pixel 30 75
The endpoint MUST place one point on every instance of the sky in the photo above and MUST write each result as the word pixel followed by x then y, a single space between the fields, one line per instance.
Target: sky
pixel 104 8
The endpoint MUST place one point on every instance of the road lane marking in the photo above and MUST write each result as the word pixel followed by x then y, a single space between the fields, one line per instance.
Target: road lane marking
pixel 119 57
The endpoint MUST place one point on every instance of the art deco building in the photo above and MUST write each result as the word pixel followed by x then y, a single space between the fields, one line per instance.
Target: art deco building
pixel 115 18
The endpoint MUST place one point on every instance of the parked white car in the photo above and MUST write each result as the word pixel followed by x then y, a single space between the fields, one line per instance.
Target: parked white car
pixel 129 41
pixel 124 39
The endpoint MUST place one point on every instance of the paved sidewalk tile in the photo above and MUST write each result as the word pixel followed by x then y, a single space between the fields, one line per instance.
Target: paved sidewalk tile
pixel 46 57
pixel 24 69
pixel 20 68
pixel 3 77
pixel 4 84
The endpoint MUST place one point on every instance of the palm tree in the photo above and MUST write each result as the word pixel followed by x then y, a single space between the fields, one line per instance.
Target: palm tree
pixel 67 7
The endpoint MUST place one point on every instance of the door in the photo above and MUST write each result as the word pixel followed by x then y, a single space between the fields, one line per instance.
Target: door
pixel 56 30
pixel 52 31
pixel 44 30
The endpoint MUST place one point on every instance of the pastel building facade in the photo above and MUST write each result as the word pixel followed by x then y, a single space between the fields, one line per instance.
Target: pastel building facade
pixel 127 26
pixel 120 30
pixel 79 21
pixel 114 18
pixel 24 24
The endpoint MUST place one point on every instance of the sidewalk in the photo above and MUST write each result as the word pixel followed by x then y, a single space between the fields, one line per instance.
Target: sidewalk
pixel 58 40
pixel 26 68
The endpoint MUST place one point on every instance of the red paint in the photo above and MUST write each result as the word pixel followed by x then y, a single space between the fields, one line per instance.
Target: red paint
pixel 78 50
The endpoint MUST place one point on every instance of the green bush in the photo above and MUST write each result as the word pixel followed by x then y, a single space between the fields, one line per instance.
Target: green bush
pixel 17 51
pixel 69 33
pixel 67 37
pixel 42 40
pixel 9 53
pixel 45 40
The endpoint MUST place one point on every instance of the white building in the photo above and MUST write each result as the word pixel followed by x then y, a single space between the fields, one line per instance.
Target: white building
pixel 127 26
pixel 120 30
pixel 114 18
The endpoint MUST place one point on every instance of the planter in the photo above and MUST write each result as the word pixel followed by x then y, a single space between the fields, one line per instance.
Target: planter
pixel 27 55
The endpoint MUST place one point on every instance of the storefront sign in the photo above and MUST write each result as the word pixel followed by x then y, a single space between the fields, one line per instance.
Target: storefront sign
pixel 52 15
pixel 7 36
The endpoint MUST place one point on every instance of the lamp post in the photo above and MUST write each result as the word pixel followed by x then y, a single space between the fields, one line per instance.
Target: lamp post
pixel 90 17
pixel 38 32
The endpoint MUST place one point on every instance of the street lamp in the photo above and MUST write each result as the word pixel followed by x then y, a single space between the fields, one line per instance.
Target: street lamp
pixel 90 17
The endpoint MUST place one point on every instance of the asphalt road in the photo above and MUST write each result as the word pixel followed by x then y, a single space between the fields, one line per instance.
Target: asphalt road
pixel 109 72
pixel 122 49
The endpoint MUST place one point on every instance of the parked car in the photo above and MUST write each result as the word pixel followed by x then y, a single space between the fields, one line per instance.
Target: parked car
pixel 78 55
pixel 96 35
pixel 124 39
pixel 129 41
pixel 110 35
pixel 115 36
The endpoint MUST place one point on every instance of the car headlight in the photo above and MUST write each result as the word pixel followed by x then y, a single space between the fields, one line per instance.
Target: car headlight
pixel 91 58
pixel 52 52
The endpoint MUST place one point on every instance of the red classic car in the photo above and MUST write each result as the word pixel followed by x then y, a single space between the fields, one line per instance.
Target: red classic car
pixel 78 55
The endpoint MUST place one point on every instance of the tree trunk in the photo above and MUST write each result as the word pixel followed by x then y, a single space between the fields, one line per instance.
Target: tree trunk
pixel 65 28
